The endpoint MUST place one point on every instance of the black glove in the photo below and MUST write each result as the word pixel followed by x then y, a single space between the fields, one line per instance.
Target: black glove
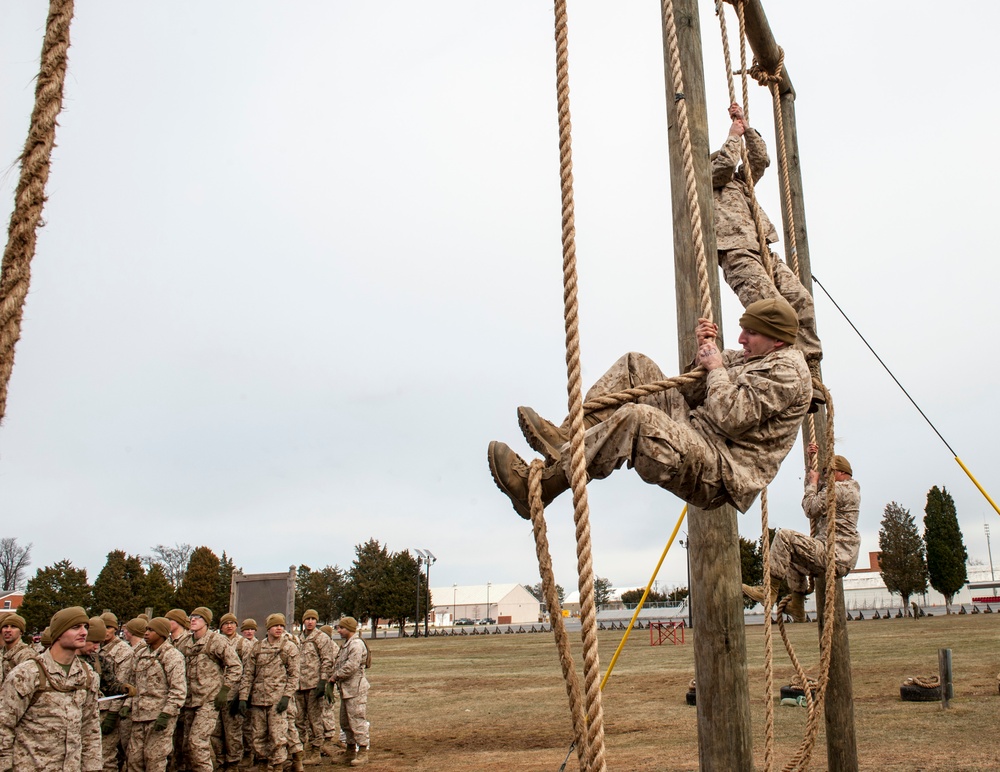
pixel 125 712
pixel 320 689
pixel 109 722
pixel 328 691
pixel 234 706
pixel 161 722
pixel 222 698
pixel 242 709
pixel 282 705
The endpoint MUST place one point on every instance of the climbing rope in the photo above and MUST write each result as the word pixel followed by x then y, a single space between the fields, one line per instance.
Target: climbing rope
pixel 29 197
pixel 594 745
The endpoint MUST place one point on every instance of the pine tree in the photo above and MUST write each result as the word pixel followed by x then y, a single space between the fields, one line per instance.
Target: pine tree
pixel 119 586
pixel 54 587
pixel 158 592
pixel 200 583
pixel 904 568
pixel 369 587
pixel 224 586
pixel 946 553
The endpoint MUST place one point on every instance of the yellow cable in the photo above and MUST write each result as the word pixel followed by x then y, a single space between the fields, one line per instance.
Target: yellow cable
pixel 976 483
pixel 645 595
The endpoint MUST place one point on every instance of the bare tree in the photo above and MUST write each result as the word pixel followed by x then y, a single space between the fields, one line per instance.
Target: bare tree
pixel 14 561
pixel 173 559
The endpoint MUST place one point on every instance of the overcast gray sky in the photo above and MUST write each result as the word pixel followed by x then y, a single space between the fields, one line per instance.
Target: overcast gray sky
pixel 301 262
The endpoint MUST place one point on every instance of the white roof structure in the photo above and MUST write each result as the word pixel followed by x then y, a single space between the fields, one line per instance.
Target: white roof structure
pixel 480 601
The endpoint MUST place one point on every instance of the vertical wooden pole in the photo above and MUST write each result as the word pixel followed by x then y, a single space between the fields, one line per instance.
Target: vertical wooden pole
pixel 841 740
pixel 944 668
pixel 724 738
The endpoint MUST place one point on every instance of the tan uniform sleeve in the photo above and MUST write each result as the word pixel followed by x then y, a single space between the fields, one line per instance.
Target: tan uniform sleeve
pixel 249 671
pixel 724 162
pixel 291 669
pixel 91 730
pixel 757 153
pixel 232 668
pixel 738 405
pixel 173 667
pixel 15 697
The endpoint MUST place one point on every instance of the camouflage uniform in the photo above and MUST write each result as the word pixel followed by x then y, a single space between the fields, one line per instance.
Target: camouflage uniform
pixel 211 664
pixel 49 722
pixel 316 654
pixel 795 557
pixel 161 687
pixel 270 672
pixel 349 675
pixel 738 245
pixel 182 643
pixel 116 658
pixel 231 741
pixel 719 440
pixel 15 655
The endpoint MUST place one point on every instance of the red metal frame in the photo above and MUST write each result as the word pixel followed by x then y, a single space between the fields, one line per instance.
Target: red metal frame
pixel 665 631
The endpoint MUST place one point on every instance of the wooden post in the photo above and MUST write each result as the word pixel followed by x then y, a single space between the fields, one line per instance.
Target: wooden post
pixel 724 738
pixel 944 668
pixel 841 740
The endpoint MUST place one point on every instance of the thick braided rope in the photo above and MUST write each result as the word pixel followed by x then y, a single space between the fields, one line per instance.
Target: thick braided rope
pixel 768 640
pixel 555 613
pixel 29 198
pixel 578 466
pixel 684 134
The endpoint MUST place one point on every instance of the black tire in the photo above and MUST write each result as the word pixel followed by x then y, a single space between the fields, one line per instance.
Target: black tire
pixel 793 692
pixel 691 697
pixel 914 693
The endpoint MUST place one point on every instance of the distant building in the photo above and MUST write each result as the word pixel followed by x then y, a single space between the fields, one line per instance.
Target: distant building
pixel 508 604
pixel 11 601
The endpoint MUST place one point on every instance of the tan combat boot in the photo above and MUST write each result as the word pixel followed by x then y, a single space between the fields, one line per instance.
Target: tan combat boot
pixel 796 607
pixel 361 757
pixel 510 474
pixel 544 436
pixel 312 757
pixel 296 765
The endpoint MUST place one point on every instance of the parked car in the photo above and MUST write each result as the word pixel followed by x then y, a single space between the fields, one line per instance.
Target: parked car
pixel 487 621
pixel 465 621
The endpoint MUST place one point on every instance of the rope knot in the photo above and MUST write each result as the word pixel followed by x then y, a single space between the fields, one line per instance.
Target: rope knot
pixel 764 77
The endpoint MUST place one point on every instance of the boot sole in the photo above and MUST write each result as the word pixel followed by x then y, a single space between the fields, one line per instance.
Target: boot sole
pixel 525 513
pixel 534 438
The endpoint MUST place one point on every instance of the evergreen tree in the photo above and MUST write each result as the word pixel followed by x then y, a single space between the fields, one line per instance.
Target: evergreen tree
pixel 201 581
pixel 158 592
pixel 332 581
pixel 539 593
pixel 751 567
pixel 119 586
pixel 368 589
pixel 903 567
pixel 224 586
pixel 304 589
pixel 401 598
pixel 54 587
pixel 602 591
pixel 946 553
pixel 632 597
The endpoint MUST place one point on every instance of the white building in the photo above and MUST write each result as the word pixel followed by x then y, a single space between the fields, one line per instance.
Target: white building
pixel 508 604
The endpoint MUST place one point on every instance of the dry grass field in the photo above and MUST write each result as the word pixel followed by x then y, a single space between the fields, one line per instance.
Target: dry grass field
pixel 498 702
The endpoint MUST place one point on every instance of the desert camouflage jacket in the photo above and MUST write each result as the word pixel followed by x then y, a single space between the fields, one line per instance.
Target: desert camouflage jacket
pixel 15 656
pixel 270 672
pixel 734 225
pixel 848 494
pixel 240 644
pixel 349 668
pixel 316 654
pixel 211 664
pixel 117 659
pixel 160 682
pixel 48 718
pixel 750 412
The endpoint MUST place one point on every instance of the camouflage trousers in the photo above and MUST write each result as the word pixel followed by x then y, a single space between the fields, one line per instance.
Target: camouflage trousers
pixel 148 750
pixel 309 718
pixel 746 276
pixel 331 729
pixel 198 727
pixel 294 741
pixel 353 720
pixel 269 730
pixel 229 743
pixel 112 748
pixel 795 557
pixel 652 436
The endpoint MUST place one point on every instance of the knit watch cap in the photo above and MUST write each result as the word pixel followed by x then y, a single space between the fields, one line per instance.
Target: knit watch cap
pixel 14 619
pixel 136 626
pixel 160 626
pixel 274 619
pixel 348 623
pixel 841 464
pixel 327 629
pixel 98 630
pixel 249 624
pixel 179 616
pixel 65 619
pixel 228 618
pixel 110 619
pixel 143 616
pixel 773 317
pixel 310 614
pixel 46 637
pixel 204 613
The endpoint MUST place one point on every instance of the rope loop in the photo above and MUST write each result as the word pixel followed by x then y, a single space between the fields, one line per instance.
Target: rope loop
pixel 765 77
